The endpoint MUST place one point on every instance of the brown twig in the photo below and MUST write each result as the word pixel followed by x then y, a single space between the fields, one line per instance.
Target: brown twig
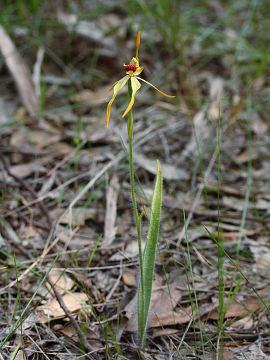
pixel 73 321
pixel 27 187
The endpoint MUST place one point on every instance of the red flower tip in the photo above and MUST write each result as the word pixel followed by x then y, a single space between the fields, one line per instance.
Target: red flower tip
pixel 130 67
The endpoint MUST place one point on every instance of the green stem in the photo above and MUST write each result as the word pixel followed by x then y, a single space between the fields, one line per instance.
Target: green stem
pixel 137 217
pixel 221 285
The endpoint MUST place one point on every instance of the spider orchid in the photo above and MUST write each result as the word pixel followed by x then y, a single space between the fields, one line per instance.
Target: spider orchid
pixel 133 69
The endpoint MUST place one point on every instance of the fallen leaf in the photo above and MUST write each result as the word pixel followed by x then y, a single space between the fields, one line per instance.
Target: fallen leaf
pixel 236 309
pixel 24 170
pixel 245 323
pixel 258 126
pixel 161 312
pixel 261 254
pixel 198 232
pixel 229 355
pixel 169 172
pixel 255 352
pixel 62 282
pixel 130 252
pixel 247 155
pixel 70 332
pixel 78 216
pixel 94 97
pixel 74 302
pixel 129 277
pixel 164 332
pixel 239 204
pixel 30 232
pixel 35 137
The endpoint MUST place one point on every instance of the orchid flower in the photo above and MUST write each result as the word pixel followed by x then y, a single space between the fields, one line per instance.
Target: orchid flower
pixel 133 69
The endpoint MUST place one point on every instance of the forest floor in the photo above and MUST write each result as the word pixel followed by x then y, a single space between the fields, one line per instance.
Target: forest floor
pixel 68 241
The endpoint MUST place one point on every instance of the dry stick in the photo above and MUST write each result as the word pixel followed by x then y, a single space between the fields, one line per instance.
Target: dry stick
pixel 27 187
pixel 108 297
pixel 33 342
pixel 73 321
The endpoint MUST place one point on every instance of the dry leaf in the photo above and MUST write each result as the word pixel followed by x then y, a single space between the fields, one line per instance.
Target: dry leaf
pixel 247 155
pixel 24 170
pixel 263 262
pixel 71 333
pixel 19 71
pixel 94 97
pixel 262 257
pixel 74 302
pixel 164 332
pixel 161 311
pixel 239 204
pixel 229 355
pixel 181 316
pixel 62 282
pixel 257 124
pixel 30 232
pixel 236 309
pixel 78 216
pixel 255 352
pixel 169 172
pixel 130 252
pixel 245 323
pixel 111 211
pixel 129 277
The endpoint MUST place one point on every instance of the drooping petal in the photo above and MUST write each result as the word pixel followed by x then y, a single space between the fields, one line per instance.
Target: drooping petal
pixel 135 85
pixel 110 89
pixel 117 86
pixel 129 106
pixel 161 92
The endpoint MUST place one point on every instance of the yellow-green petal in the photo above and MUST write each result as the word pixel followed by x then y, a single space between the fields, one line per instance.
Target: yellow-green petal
pixel 117 86
pixel 135 85
pixel 161 92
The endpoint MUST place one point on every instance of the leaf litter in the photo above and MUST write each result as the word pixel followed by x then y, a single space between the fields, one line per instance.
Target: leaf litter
pixel 59 152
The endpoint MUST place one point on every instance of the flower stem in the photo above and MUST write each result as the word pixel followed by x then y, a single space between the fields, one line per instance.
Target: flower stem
pixel 137 218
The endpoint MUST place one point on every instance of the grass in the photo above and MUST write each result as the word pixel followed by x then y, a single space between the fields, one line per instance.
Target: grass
pixel 188 45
